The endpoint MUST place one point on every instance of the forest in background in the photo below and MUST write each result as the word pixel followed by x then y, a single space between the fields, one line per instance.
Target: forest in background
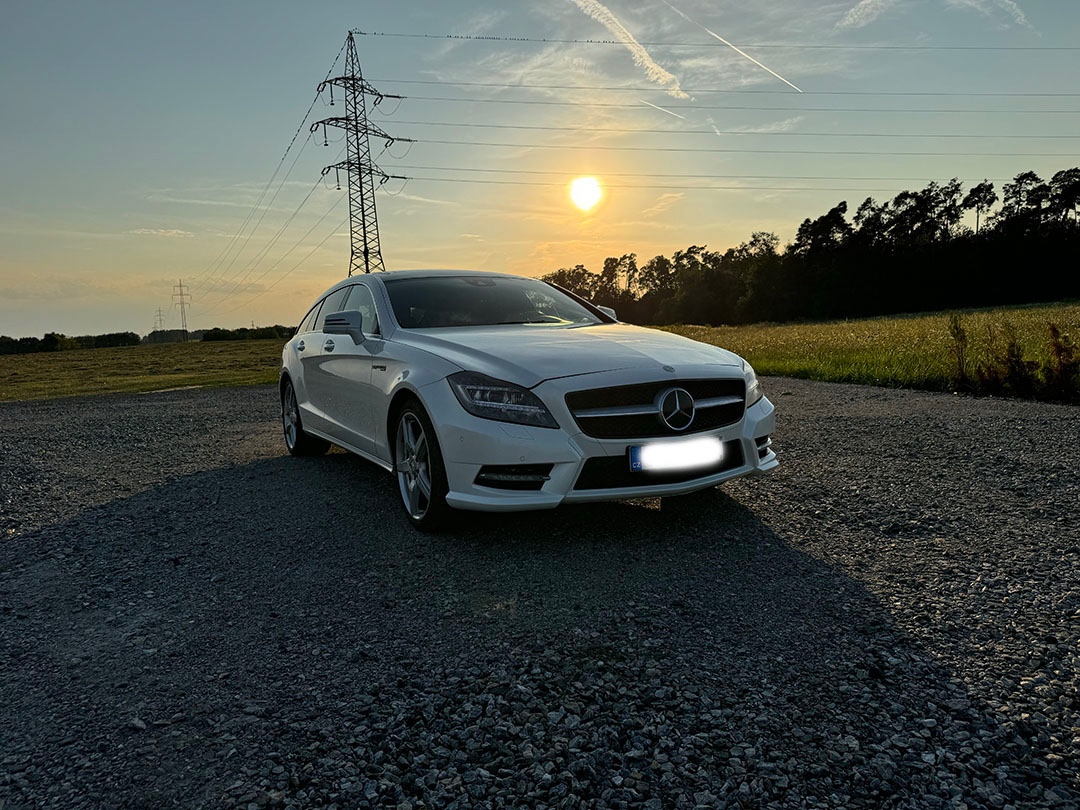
pixel 905 255
pixel 908 254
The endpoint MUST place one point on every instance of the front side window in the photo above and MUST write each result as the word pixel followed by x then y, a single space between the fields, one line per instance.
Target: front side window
pixel 360 300
pixel 446 301
pixel 333 303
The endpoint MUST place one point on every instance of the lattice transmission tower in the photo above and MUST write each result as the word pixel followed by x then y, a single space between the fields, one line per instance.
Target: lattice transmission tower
pixel 366 254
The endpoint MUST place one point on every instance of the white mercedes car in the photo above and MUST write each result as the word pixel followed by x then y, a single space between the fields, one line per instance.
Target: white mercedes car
pixel 496 392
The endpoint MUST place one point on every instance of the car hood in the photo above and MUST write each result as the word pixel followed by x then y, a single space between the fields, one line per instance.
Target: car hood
pixel 530 354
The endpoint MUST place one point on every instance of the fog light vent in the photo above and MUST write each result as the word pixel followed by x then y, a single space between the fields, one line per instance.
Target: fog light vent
pixel 514 476
pixel 764 445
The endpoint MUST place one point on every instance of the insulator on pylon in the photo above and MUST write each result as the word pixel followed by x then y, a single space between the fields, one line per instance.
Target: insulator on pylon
pixel 331 95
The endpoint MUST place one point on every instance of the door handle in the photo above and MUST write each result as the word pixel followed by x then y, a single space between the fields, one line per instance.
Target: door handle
pixel 300 346
pixel 328 346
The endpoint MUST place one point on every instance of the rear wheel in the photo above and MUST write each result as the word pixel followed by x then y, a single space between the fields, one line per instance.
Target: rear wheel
pixel 418 465
pixel 297 441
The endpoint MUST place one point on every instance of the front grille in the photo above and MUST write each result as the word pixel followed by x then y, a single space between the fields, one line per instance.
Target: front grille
pixel 647 423
pixel 613 472
pixel 528 477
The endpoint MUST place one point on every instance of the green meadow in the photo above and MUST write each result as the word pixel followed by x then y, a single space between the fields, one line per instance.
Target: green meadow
pixel 914 351
pixel 138 368
pixel 907 351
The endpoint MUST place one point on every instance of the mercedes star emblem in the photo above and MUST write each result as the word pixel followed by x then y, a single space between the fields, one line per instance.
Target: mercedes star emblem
pixel 676 408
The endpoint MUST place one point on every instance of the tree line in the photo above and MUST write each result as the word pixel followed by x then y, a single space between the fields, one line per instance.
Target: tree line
pixel 55 342
pixel 276 332
pixel 908 254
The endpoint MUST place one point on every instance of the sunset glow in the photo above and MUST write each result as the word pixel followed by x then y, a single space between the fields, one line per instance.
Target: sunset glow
pixel 520 137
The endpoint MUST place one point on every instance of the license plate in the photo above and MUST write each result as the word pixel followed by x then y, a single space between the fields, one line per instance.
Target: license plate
pixel 673 456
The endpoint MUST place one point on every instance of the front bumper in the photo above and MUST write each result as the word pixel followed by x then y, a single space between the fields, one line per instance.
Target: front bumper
pixel 469 443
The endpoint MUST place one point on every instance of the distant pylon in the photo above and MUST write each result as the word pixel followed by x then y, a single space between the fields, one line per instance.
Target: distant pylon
pixel 183 301
pixel 159 319
pixel 366 252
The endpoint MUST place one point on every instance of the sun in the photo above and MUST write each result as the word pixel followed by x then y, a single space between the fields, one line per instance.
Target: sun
pixel 586 192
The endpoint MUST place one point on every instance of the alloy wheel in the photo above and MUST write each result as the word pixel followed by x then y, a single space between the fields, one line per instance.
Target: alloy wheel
pixel 413 464
pixel 290 416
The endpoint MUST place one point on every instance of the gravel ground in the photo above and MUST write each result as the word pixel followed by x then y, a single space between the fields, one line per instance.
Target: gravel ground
pixel 190 618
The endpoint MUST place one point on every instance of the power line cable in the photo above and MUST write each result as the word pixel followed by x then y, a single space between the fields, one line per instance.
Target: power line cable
pixel 273 241
pixel 740 151
pixel 238 290
pixel 761 46
pixel 739 90
pixel 725 132
pixel 269 182
pixel 658 187
pixel 786 108
pixel 214 282
pixel 310 253
pixel 698 176
pixel 281 230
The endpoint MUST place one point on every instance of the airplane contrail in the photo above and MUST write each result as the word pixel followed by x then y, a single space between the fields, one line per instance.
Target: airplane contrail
pixel 661 109
pixel 737 50
pixel 602 14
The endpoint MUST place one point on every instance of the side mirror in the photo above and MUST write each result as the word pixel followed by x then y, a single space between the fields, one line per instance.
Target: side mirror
pixel 609 312
pixel 345 323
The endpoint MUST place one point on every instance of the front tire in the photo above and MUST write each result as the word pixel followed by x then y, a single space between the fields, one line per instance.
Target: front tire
pixel 297 441
pixel 418 465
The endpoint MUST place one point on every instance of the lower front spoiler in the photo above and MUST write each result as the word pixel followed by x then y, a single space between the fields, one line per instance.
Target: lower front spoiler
pixel 502 501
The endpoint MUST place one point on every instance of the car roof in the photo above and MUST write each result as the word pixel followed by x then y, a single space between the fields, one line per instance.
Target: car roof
pixel 393 274
pixel 396 274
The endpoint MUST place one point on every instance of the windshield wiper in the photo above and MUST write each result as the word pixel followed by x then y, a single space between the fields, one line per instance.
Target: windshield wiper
pixel 507 323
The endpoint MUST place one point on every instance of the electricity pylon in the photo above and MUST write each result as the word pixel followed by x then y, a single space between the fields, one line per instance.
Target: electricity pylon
pixel 159 320
pixel 183 301
pixel 366 253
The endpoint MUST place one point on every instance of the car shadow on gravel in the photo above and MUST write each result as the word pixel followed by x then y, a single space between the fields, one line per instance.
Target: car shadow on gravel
pixel 260 633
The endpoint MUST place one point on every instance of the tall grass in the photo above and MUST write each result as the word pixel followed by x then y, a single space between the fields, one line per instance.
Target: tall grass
pixel 971 351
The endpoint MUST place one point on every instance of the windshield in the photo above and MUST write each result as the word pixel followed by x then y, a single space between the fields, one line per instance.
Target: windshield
pixel 444 301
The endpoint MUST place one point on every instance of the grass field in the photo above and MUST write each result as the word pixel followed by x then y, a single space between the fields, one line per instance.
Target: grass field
pixel 913 351
pixel 138 368
pixel 906 351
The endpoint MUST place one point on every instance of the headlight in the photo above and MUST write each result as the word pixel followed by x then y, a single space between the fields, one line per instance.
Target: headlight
pixel 753 387
pixel 494 399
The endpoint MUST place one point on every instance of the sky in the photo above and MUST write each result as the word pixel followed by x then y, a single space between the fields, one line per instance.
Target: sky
pixel 143 143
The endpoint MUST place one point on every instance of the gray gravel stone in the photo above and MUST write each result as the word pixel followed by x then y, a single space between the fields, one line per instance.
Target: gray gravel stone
pixel 190 618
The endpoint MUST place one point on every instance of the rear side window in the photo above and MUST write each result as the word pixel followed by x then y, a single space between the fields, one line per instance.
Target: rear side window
pixel 334 302
pixel 308 323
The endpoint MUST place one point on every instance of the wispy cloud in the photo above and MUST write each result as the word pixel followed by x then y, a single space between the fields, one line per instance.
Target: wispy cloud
pixel 740 52
pixel 602 14
pixel 168 198
pixel 786 125
pixel 865 12
pixel 166 232
pixel 663 203
pixel 988 7
pixel 402 195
